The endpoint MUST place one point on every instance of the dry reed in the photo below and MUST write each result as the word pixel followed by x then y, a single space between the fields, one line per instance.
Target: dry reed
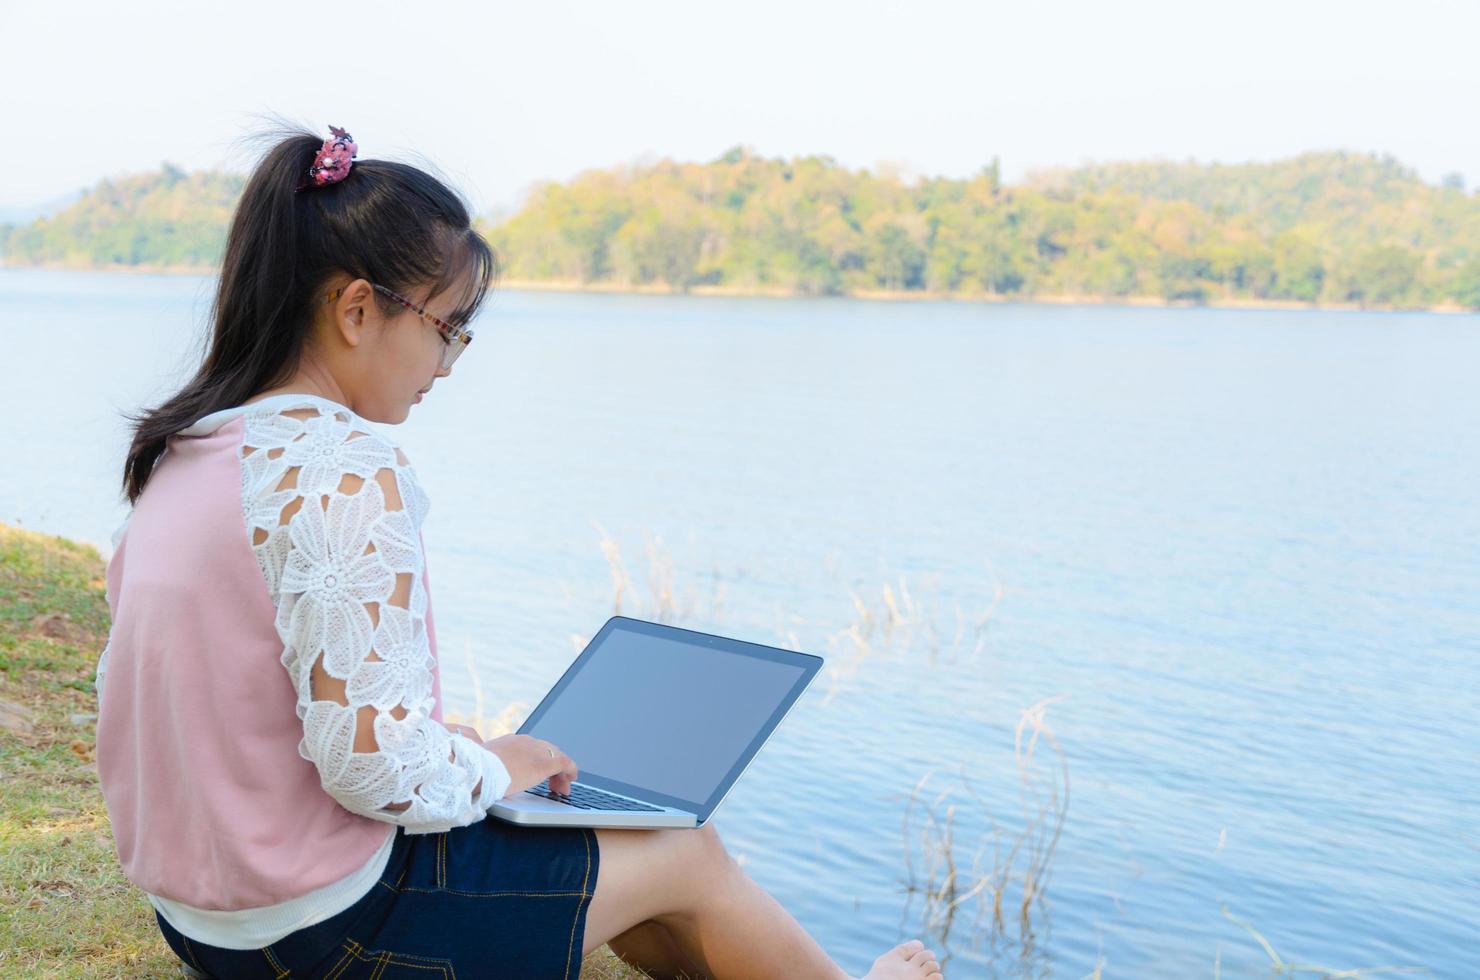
pixel 1280 967
pixel 899 621
pixel 659 602
pixel 1016 876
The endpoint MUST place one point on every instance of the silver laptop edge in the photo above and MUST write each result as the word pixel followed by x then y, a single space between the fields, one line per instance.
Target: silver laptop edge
pixel 527 808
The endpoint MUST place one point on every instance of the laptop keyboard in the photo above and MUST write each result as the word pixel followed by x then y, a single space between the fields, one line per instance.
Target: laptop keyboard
pixel 590 798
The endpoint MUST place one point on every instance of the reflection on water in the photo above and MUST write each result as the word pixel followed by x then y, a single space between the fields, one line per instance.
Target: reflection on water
pixel 1238 547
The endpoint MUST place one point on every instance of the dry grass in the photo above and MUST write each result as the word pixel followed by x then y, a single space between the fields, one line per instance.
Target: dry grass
pixel 1280 967
pixel 65 908
pixel 1003 883
pixel 903 619
pixel 658 601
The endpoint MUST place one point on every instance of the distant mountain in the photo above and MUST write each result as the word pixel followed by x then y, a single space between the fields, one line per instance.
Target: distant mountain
pixel 1334 227
pixel 167 219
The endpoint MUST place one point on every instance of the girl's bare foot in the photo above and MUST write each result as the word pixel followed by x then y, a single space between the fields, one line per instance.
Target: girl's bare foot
pixel 907 961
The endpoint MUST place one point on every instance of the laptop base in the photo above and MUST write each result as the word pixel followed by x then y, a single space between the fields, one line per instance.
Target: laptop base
pixel 536 811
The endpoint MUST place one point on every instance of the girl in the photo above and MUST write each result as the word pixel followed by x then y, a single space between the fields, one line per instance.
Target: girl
pixel 270 742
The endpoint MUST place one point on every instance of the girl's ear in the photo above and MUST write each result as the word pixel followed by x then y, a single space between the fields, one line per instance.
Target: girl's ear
pixel 351 310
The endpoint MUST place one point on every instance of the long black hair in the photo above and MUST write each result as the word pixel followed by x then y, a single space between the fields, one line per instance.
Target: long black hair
pixel 390 223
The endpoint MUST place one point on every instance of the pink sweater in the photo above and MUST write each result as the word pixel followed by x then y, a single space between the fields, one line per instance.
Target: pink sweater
pixel 229 785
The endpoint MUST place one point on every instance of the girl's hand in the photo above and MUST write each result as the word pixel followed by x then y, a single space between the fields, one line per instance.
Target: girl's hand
pixel 529 761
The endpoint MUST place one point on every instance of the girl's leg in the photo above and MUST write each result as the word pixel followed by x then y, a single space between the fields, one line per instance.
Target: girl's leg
pixel 687 882
pixel 652 948
pixel 721 920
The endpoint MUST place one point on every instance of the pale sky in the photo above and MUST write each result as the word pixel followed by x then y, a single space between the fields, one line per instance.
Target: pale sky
pixel 499 95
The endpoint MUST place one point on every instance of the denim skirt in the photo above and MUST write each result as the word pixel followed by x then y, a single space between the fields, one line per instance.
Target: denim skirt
pixel 492 899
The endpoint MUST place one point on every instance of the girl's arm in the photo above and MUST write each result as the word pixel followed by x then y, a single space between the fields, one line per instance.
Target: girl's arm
pixel 335 531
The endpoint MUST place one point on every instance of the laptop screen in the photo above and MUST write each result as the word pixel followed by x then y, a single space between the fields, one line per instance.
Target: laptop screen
pixel 669 714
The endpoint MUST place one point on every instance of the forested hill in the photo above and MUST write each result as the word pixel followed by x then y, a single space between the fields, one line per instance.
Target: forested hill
pixel 1321 227
pixel 164 219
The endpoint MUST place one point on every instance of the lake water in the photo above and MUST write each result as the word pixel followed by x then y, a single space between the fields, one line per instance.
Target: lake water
pixel 1240 549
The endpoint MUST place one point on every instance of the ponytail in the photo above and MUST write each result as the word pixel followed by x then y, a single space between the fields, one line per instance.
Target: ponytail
pixel 387 222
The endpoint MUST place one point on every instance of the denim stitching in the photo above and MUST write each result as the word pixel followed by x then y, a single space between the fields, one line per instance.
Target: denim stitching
pixel 399 959
pixel 343 961
pixel 571 946
pixel 283 973
pixel 388 958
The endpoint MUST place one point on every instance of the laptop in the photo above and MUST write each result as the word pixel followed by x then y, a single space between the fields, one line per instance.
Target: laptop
pixel 660 721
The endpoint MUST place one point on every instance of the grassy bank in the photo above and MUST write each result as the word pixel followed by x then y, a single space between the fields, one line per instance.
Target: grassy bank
pixel 65 908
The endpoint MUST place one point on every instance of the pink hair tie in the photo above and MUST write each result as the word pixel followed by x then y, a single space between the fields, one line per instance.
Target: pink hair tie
pixel 331 164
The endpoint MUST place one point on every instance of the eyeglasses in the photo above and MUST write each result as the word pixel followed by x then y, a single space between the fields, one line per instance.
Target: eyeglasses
pixel 455 339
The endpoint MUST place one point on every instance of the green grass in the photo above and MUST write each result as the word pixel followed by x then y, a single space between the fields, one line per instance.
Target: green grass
pixel 66 909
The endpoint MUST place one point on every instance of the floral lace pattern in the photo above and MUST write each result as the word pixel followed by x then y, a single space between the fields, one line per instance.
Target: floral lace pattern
pixel 332 569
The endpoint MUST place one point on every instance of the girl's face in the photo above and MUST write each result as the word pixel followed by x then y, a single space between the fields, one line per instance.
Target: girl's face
pixel 396 358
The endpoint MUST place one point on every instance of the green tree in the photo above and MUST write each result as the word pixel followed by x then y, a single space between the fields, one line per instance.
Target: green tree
pixel 1299 271
pixel 1464 287
pixel 1379 274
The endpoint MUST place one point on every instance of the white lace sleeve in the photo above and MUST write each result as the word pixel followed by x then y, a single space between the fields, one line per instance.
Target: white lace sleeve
pixel 335 514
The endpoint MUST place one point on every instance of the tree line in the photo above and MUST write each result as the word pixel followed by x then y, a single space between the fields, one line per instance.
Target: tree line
pixel 166 218
pixel 1333 227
